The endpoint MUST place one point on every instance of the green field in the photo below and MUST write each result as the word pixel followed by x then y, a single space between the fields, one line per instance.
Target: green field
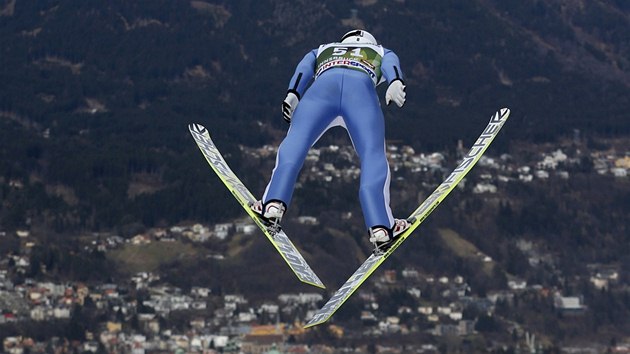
pixel 147 258
pixel 464 249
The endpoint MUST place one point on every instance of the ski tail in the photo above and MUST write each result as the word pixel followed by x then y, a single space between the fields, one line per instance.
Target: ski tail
pixel 417 217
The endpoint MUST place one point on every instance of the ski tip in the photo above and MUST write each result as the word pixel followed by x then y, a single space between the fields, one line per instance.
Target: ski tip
pixel 504 112
pixel 197 128
pixel 500 116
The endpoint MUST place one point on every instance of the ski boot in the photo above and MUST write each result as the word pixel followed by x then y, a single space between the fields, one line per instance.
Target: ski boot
pixel 270 213
pixel 383 238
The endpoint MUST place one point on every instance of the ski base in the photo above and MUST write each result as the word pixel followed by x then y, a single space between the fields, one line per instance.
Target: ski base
pixel 277 237
pixel 417 217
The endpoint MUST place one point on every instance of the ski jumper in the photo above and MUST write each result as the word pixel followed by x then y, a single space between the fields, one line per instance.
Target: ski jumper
pixel 343 79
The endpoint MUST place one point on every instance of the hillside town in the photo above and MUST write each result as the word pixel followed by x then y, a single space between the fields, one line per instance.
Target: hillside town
pixel 238 323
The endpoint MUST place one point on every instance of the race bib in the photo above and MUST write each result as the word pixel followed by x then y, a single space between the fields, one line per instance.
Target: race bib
pixel 366 58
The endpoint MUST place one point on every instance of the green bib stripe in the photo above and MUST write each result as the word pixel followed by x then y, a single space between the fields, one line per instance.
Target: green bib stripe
pixel 365 58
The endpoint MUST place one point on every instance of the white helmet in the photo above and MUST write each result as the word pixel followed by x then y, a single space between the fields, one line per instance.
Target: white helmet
pixel 358 36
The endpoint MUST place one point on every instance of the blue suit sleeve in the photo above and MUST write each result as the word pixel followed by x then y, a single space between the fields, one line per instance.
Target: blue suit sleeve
pixel 304 73
pixel 390 67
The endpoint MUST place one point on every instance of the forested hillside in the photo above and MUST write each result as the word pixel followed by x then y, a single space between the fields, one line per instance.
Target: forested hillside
pixel 96 95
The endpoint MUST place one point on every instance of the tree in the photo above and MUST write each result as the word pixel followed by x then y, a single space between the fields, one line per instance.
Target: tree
pixel 487 324
pixel 76 327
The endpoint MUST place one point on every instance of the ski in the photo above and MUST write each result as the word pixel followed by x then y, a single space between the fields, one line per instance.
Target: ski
pixel 278 238
pixel 416 218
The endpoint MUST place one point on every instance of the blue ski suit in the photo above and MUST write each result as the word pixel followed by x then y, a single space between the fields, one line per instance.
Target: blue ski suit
pixel 337 86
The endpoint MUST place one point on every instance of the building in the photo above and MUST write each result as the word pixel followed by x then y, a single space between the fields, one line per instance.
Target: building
pixel 260 344
pixel 569 305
